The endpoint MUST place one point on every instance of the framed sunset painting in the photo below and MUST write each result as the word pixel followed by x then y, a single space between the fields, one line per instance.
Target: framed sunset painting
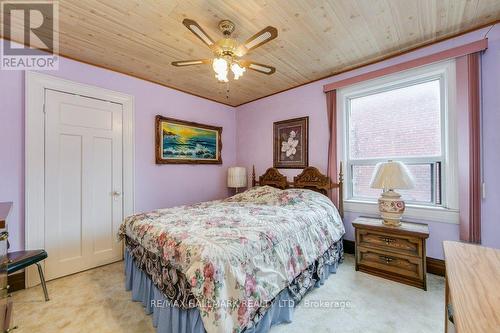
pixel 183 142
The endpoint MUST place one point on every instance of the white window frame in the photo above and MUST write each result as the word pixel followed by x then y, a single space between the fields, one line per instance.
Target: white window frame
pixel 448 210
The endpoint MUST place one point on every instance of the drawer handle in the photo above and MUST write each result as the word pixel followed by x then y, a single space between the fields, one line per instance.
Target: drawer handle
pixel 4 235
pixel 387 240
pixel 387 259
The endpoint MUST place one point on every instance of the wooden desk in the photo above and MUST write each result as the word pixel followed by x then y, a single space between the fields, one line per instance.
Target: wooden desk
pixel 4 212
pixel 472 287
pixel 5 305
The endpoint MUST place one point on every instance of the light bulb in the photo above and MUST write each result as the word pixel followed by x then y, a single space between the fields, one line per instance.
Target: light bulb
pixel 237 70
pixel 219 65
pixel 222 76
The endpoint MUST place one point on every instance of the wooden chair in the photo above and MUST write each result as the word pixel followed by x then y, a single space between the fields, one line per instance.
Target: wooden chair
pixel 22 259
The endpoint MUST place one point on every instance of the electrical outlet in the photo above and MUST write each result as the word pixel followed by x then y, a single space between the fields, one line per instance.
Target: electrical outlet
pixel 483 190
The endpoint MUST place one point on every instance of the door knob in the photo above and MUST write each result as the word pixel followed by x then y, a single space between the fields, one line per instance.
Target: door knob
pixel 117 194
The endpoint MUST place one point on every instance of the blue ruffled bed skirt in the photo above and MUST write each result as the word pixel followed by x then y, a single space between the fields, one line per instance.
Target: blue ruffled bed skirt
pixel 171 319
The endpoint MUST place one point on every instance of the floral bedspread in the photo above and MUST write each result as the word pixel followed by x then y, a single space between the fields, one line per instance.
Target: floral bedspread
pixel 237 254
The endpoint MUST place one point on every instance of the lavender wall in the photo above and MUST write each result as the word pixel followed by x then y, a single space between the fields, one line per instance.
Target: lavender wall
pixel 155 185
pixel 255 122
pixel 169 185
pixel 490 77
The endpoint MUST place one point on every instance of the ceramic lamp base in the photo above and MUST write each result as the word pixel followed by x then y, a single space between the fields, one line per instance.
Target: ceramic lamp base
pixel 391 208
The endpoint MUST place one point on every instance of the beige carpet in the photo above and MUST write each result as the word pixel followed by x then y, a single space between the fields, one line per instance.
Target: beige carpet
pixel 95 301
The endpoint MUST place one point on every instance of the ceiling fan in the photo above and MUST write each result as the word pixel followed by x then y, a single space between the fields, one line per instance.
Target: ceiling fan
pixel 227 51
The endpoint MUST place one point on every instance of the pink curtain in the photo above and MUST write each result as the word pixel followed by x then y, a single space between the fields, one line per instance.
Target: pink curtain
pixel 331 109
pixel 469 143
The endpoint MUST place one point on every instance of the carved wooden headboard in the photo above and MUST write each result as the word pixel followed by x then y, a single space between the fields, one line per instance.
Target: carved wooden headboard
pixel 310 178
pixel 272 177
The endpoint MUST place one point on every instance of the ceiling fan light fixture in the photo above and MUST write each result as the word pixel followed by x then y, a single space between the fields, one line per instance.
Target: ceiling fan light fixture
pixel 237 70
pixel 220 67
pixel 222 77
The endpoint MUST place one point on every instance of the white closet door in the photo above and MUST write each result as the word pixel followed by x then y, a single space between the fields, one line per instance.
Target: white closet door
pixel 83 182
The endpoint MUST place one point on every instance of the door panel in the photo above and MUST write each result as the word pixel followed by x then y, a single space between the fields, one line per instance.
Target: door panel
pixel 80 116
pixel 69 203
pixel 83 170
pixel 102 195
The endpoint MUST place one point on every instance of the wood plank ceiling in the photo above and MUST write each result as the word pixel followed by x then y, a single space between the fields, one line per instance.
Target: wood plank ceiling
pixel 316 38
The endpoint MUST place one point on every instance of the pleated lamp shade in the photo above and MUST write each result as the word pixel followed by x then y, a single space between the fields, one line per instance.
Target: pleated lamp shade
pixel 392 175
pixel 236 177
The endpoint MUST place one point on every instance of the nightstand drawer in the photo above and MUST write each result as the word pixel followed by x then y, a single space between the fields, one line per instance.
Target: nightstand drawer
pixel 410 267
pixel 399 243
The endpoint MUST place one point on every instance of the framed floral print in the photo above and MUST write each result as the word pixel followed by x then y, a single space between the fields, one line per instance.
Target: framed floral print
pixel 183 142
pixel 291 143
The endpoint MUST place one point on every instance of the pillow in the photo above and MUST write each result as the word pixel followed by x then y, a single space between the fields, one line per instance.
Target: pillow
pixel 258 194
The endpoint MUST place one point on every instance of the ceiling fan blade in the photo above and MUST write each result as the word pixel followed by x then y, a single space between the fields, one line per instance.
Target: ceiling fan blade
pixel 265 35
pixel 199 32
pixel 184 63
pixel 265 69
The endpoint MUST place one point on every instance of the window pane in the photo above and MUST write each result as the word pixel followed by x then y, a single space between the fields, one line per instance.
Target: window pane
pixel 361 177
pixel 404 122
pixel 422 192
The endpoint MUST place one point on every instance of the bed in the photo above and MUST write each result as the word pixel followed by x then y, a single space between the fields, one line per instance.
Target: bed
pixel 235 265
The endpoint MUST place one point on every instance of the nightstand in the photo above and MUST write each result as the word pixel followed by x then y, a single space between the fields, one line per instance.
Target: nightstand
pixel 395 253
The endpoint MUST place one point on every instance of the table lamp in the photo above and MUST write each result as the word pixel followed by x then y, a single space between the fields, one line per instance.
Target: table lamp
pixel 236 177
pixel 389 176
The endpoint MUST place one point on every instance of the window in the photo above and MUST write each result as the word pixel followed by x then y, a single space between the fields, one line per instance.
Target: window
pixel 405 117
